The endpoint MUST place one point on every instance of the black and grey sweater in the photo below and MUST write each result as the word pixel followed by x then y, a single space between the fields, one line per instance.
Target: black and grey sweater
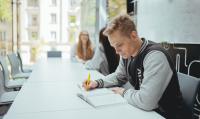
pixel 150 82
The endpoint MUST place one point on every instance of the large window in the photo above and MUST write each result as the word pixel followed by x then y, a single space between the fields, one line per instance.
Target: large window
pixel 6 26
pixel 30 26
pixel 88 17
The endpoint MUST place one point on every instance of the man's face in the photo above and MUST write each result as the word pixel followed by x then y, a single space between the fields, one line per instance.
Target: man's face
pixel 125 46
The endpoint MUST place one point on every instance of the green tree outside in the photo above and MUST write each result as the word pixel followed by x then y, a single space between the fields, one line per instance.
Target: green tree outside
pixel 5 10
pixel 115 7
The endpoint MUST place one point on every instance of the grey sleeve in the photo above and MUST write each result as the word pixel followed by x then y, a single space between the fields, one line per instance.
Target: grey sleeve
pixel 96 60
pixel 196 106
pixel 157 75
pixel 112 79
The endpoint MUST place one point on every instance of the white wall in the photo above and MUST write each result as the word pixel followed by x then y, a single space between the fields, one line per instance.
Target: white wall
pixel 169 20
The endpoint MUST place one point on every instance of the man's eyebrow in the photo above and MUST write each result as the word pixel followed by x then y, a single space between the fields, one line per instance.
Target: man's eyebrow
pixel 118 43
pixel 114 44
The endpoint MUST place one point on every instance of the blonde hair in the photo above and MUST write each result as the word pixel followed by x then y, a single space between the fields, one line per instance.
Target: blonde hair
pixel 89 50
pixel 122 23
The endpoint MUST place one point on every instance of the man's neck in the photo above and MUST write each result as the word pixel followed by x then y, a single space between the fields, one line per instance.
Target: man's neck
pixel 139 45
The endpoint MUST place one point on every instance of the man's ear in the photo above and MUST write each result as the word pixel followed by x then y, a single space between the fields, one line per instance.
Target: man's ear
pixel 133 34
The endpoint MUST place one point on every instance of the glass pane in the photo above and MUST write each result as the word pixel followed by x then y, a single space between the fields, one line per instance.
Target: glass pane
pixel 115 7
pixel 5 27
pixel 88 17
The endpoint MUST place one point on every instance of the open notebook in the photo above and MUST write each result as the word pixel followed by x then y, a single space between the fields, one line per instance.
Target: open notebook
pixel 101 97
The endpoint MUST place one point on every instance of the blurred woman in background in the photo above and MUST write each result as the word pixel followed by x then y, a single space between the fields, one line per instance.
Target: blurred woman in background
pixel 82 51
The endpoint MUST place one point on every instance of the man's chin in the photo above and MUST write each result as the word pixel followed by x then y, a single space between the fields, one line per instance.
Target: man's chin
pixel 124 57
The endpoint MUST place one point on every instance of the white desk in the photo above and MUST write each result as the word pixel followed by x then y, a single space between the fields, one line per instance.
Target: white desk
pixel 59 70
pixel 117 112
pixel 51 93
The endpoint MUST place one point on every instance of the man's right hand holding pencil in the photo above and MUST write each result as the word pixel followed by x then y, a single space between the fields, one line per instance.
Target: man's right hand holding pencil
pixel 89 84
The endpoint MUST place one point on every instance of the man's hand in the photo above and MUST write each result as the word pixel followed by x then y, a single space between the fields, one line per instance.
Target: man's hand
pixel 118 90
pixel 92 85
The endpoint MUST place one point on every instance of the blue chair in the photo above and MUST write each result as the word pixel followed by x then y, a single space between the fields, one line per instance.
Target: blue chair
pixel 10 83
pixel 15 67
pixel 24 70
pixel 189 87
pixel 54 54
pixel 8 97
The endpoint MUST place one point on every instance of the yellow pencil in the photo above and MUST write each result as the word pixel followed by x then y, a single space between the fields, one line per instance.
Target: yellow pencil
pixel 88 82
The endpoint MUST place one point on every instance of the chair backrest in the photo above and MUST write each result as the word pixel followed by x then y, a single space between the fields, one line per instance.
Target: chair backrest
pixel 15 63
pixel 193 68
pixel 54 54
pixel 20 60
pixel 5 70
pixel 1 81
pixel 189 87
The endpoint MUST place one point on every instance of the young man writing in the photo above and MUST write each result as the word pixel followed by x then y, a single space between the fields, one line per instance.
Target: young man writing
pixel 144 65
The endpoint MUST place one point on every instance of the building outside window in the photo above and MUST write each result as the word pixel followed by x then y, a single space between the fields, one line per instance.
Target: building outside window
pixel 53 35
pixel 34 20
pixel 2 35
pixel 33 3
pixel 34 35
pixel 53 2
pixel 53 18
